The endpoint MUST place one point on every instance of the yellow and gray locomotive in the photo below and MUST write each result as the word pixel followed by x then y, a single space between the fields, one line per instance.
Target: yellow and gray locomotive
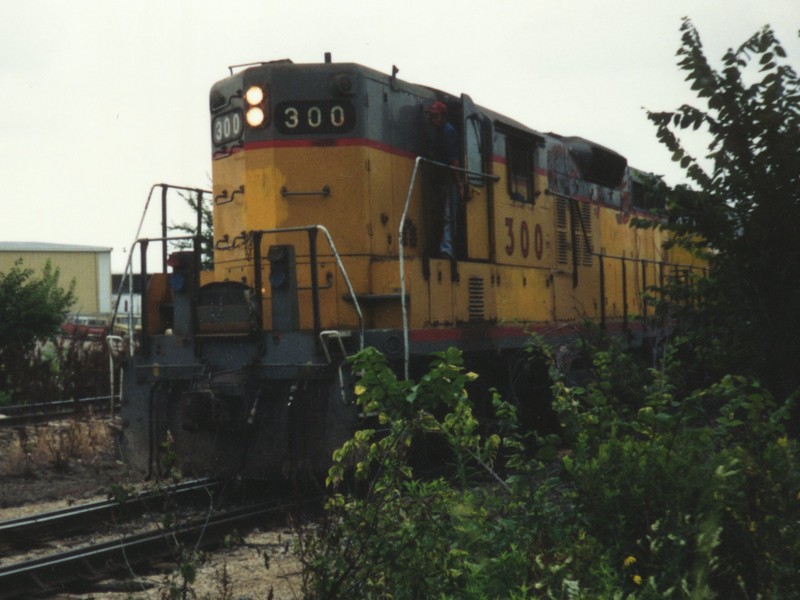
pixel 329 207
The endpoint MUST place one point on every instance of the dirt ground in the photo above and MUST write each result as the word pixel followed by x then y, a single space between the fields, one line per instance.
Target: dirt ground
pixel 48 467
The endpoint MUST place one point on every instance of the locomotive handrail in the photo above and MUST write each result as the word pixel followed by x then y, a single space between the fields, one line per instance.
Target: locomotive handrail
pixel 143 244
pixel 651 261
pixel 314 280
pixel 311 229
pixel 623 259
pixel 550 192
pixel 419 159
pixel 127 273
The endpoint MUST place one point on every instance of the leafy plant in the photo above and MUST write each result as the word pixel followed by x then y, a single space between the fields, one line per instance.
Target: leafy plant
pixel 744 209
pixel 678 480
pixel 31 309
pixel 654 490
pixel 397 530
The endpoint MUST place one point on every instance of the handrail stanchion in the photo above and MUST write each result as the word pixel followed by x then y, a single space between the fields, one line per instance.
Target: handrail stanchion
pixel 404 309
pixel 115 345
pixel 144 341
pixel 128 272
pixel 419 159
pixel 312 250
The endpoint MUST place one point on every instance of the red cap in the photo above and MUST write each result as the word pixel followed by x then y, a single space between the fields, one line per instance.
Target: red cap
pixel 438 108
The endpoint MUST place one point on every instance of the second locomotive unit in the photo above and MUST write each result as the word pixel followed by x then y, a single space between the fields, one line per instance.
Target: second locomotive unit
pixel 329 210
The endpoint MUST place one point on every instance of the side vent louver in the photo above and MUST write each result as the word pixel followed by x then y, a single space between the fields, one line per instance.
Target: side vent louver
pixel 585 244
pixel 562 240
pixel 476 299
pixel 570 222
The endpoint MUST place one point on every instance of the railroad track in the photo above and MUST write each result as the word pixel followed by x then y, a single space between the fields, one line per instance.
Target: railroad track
pixel 92 562
pixel 61 571
pixel 41 412
pixel 32 531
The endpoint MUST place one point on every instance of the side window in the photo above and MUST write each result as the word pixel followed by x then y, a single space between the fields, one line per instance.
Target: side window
pixel 520 170
pixel 474 151
pixel 648 192
pixel 638 195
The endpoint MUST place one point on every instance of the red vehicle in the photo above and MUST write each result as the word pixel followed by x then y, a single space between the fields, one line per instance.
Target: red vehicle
pixel 89 328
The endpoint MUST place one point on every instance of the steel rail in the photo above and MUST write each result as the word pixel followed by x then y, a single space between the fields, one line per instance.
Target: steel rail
pixel 89 563
pixel 34 407
pixel 30 531
pixel 25 414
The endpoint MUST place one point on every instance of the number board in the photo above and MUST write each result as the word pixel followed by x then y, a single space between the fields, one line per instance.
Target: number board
pixel 226 127
pixel 315 116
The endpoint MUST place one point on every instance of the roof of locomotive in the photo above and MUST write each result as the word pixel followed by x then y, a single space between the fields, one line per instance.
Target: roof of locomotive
pixel 421 90
pixel 504 122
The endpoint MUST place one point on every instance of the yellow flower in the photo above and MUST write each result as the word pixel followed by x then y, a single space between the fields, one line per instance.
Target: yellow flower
pixel 360 389
pixel 637 579
pixel 629 560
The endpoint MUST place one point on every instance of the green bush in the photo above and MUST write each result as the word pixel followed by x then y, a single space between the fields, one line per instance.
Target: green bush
pixel 651 491
pixel 689 483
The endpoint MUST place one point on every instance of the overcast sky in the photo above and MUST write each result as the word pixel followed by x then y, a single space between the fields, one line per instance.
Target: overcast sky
pixel 100 99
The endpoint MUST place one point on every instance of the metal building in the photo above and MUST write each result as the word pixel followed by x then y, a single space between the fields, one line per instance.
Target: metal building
pixel 89 266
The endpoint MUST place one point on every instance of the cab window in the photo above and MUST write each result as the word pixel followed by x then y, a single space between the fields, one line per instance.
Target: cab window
pixel 474 151
pixel 520 155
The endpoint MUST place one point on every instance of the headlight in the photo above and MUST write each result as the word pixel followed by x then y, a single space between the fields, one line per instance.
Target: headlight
pixel 254 95
pixel 257 107
pixel 255 116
